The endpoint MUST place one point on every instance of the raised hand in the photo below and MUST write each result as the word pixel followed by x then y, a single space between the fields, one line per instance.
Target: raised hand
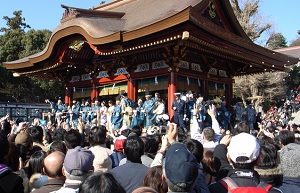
pixel 172 132
pixel 212 111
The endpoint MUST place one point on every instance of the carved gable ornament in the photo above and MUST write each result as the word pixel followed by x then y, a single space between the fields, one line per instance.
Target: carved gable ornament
pixel 212 9
pixel 85 77
pixel 222 73
pixel 75 79
pixel 196 67
pixel 121 71
pixel 69 13
pixel 184 64
pixel 159 64
pixel 102 74
pixel 142 67
pixel 213 71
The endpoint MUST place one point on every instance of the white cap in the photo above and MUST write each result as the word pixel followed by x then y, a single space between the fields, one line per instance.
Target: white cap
pixel 244 144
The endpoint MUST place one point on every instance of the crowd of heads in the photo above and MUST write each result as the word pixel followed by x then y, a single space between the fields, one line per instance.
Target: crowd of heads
pixel 90 157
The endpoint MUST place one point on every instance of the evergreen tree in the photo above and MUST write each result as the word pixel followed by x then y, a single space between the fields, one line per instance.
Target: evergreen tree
pixel 276 41
pixel 16 43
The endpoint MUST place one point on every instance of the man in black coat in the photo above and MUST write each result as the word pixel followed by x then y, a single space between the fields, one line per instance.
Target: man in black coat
pixel 179 107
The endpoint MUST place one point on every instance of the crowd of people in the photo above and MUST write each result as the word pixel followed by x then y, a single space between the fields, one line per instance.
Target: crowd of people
pixel 134 147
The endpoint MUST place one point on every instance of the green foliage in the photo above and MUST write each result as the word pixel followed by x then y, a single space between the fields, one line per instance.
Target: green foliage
pixel 15 23
pixel 47 89
pixel 15 43
pixel 34 41
pixel 11 45
pixel 276 41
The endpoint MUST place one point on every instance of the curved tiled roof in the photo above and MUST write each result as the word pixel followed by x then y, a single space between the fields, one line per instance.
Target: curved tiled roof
pixel 156 10
pixel 94 29
pixel 291 51
pixel 124 20
pixel 100 30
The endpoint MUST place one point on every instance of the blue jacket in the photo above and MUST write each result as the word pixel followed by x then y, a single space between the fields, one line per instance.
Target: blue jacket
pixel 290 185
pixel 200 185
pixel 116 117
pixel 180 107
pixel 116 157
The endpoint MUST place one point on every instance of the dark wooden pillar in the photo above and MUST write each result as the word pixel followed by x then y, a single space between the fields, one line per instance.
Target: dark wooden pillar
pixel 205 89
pixel 228 95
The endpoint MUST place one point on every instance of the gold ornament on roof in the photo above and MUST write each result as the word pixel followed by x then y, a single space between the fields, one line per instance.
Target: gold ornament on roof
pixel 212 9
pixel 76 45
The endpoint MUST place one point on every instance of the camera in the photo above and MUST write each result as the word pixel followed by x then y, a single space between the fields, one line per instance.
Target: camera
pixel 163 130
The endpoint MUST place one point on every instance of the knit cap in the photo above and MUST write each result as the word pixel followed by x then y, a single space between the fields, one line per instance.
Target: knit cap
pixel 289 159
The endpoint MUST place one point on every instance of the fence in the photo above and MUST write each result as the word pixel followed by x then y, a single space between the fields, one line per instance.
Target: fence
pixel 26 111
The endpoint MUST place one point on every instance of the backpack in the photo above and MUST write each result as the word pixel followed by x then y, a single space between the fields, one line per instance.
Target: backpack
pixel 116 158
pixel 232 187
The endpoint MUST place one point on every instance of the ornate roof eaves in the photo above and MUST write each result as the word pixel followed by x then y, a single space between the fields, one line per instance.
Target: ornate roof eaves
pixel 38 57
pixel 22 63
pixel 72 12
pixel 239 41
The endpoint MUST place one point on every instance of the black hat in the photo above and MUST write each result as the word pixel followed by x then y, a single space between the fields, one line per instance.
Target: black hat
pixel 123 94
pixel 148 94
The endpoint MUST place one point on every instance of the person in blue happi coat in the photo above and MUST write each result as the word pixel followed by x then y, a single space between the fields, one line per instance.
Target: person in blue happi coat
pixel 116 117
pixel 148 107
pixel 86 112
pixel 58 108
pixel 138 116
pixel 251 116
pixel 224 116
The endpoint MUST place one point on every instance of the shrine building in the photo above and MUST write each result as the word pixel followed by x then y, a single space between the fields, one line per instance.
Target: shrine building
pixel 136 46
